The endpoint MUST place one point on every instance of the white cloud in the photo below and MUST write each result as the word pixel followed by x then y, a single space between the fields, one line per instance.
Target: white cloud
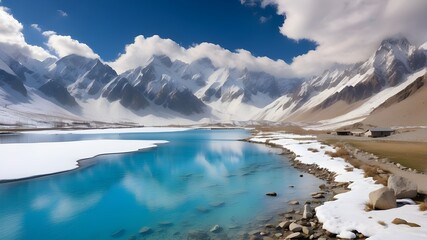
pixel 142 49
pixel 263 19
pixel 48 33
pixel 65 45
pixel 251 3
pixel 347 31
pixel 12 39
pixel 62 13
pixel 36 27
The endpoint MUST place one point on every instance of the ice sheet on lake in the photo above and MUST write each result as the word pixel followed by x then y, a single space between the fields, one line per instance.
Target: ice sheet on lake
pixel 23 160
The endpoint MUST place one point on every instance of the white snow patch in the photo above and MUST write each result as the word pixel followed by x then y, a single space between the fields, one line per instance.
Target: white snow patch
pixel 347 213
pixel 23 160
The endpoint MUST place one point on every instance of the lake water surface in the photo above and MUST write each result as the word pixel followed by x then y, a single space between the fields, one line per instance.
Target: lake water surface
pixel 199 179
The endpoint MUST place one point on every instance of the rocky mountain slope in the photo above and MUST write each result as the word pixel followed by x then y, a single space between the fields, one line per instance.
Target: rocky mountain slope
pixel 344 96
pixel 162 91
pixel 408 107
pixel 84 89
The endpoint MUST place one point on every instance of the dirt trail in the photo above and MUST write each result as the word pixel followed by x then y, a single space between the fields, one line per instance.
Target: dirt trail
pixel 418 178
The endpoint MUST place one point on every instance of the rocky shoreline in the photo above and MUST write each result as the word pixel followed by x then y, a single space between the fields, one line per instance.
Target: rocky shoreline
pixel 364 172
pixel 301 222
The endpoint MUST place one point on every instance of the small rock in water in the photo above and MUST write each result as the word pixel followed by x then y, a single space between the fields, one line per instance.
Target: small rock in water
pixel 317 196
pixel 293 202
pixel 145 230
pixel 202 209
pixel 269 225
pixel 165 224
pixel 254 232
pixel 197 235
pixel 271 194
pixel 233 227
pixel 217 204
pixel 118 233
pixel 216 229
pixel 301 175
pixel 291 186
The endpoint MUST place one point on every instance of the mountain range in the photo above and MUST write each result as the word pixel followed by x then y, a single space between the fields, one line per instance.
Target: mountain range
pixel 386 89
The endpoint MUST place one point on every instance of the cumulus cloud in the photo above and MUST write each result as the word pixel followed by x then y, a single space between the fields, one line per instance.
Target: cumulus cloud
pixel 347 31
pixel 36 27
pixel 48 33
pixel 65 45
pixel 142 49
pixel 12 39
pixel 62 13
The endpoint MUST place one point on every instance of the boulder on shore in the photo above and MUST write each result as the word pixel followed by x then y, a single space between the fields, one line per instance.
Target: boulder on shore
pixel 308 212
pixel 295 227
pixel 402 187
pixel 382 198
pixel 295 235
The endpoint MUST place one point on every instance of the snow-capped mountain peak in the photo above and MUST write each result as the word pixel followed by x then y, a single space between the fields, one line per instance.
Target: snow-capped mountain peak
pixel 165 89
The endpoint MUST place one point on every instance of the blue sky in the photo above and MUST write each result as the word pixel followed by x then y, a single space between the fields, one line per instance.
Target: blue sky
pixel 108 25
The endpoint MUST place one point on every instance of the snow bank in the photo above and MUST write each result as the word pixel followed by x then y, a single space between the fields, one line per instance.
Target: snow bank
pixel 23 160
pixel 347 212
pixel 112 130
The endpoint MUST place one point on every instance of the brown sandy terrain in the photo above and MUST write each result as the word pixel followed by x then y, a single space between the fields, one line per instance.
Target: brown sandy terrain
pixel 408 149
pixel 418 178
pixel 337 109
pixel 408 108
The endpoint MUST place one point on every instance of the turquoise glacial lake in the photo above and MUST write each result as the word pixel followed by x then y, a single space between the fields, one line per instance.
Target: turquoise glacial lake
pixel 199 179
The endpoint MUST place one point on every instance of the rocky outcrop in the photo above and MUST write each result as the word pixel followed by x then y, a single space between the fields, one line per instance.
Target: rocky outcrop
pixel 13 82
pixel 402 187
pixel 410 90
pixel 59 93
pixel 184 102
pixel 382 199
pixel 128 95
